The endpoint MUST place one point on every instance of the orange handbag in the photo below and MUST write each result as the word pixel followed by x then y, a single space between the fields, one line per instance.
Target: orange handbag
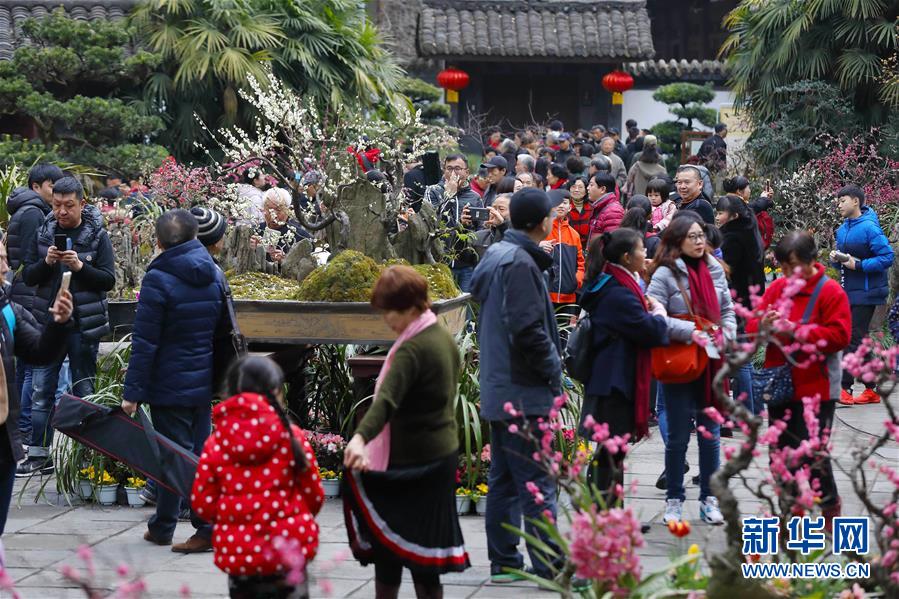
pixel 682 362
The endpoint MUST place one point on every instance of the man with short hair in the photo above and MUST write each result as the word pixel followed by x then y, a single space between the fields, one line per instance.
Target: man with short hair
pixel 496 226
pixel 171 364
pixel 497 167
pixel 713 151
pixel 619 171
pixel 88 255
pixel 688 182
pixel 451 198
pixel 520 368
pixel 597 132
pixel 565 150
pixel 606 211
pixel 864 256
pixel 525 163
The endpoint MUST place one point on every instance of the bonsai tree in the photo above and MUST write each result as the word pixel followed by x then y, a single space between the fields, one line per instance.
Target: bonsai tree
pixel 687 102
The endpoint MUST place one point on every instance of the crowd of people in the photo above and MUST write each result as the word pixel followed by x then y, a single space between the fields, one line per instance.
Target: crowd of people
pixel 555 226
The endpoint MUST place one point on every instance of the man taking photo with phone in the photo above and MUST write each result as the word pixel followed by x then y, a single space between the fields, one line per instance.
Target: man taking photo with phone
pixel 88 255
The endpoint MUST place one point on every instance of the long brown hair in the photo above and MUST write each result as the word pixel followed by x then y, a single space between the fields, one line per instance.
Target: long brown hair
pixel 672 239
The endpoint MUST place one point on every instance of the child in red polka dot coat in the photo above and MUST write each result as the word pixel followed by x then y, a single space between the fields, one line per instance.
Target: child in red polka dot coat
pixel 258 484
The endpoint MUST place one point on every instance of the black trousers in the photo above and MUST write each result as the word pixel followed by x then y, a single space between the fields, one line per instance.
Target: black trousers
pixel 391 574
pixel 797 431
pixel 861 322
pixel 607 470
pixel 266 587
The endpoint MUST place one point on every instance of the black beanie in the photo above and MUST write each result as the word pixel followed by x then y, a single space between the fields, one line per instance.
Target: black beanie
pixel 528 207
pixel 210 225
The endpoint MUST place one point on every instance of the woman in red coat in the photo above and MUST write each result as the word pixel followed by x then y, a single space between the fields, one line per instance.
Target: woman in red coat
pixel 258 484
pixel 829 327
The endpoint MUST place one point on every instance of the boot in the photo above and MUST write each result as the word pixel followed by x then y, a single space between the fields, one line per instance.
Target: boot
pixel 195 544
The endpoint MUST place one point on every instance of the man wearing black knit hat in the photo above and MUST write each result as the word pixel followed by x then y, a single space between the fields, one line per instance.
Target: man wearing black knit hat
pixel 211 227
pixel 520 377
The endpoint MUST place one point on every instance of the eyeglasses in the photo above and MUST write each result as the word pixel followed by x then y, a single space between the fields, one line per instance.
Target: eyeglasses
pixel 694 237
pixel 456 169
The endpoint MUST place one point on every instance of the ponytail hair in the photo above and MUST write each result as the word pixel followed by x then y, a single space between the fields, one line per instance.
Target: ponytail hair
pixel 255 374
pixel 610 247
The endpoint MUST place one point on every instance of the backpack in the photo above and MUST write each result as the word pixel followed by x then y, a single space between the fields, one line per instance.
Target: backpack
pixel 578 354
pixel 766 227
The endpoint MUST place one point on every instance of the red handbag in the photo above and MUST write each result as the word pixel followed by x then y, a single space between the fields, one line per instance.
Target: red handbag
pixel 682 362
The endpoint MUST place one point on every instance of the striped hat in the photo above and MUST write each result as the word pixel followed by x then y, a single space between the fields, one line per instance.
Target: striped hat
pixel 210 225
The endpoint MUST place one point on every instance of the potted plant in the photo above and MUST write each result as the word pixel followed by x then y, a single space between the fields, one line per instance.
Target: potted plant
pixel 463 501
pixel 133 486
pixel 106 489
pixel 480 499
pixel 86 477
pixel 330 483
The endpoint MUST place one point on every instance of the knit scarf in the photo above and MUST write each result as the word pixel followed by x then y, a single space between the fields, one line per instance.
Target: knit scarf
pixel 643 367
pixel 704 299
pixel 378 449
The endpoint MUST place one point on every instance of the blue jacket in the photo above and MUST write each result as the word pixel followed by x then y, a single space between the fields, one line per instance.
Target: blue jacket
pixel 620 325
pixel 863 239
pixel 520 357
pixel 181 299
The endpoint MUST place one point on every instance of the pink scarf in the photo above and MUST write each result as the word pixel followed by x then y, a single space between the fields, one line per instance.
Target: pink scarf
pixel 378 449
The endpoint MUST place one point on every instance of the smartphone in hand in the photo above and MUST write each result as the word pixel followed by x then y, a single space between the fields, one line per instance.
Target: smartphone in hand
pixel 66 281
pixel 61 241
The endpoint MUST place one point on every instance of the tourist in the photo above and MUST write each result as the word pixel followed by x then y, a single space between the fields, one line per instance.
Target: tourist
pixel 686 279
pixel 581 208
pixel 451 198
pixel 249 191
pixel 171 364
pixel 257 482
pixel 497 167
pixel 830 333
pixel 648 165
pixel 278 233
pixel 524 180
pixel 713 151
pixel 479 182
pixel 575 167
pixel 565 150
pixel 557 176
pixel 496 226
pixel 400 482
pixel 88 255
pixel 597 133
pixel 28 342
pixel 864 256
pixel 563 244
pixel 689 187
pixel 619 171
pixel 506 185
pixel 663 209
pixel 525 163
pixel 309 194
pixel 520 365
pixel 606 210
pixel 625 325
pixel 636 218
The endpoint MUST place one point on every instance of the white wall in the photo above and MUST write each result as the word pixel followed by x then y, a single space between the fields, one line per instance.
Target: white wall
pixel 639 105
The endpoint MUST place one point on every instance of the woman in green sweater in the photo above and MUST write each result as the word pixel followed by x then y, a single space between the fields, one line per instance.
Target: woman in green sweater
pixel 399 487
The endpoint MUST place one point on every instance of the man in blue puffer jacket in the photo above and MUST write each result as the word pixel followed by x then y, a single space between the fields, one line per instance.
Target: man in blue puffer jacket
pixel 171 364
pixel 864 257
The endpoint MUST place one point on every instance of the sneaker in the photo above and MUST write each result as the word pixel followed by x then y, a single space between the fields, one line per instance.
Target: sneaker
pixel 846 398
pixel 674 511
pixel 148 496
pixel 498 575
pixel 32 466
pixel 868 396
pixel 709 511
pixel 184 515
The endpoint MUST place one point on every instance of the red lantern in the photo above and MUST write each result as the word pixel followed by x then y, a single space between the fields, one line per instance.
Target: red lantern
pixel 453 80
pixel 617 82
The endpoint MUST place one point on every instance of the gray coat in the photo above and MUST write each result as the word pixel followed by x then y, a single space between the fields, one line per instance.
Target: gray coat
pixel 663 287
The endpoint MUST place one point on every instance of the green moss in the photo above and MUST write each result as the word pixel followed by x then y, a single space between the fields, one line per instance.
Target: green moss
pixel 349 277
pixel 441 284
pixel 262 286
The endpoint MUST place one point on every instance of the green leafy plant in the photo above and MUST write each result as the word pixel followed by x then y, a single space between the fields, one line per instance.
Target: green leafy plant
pixel 472 429
pixel 686 101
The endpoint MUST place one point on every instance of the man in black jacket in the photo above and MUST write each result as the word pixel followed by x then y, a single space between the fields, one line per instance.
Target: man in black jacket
pixel 88 255
pixel 22 340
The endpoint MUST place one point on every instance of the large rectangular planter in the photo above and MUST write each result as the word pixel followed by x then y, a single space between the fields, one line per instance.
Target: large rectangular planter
pixel 290 322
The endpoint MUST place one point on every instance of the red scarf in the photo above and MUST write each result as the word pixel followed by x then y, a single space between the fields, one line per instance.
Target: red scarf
pixel 643 367
pixel 704 300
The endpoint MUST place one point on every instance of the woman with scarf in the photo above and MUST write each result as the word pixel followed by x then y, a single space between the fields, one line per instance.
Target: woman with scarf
pixel 399 486
pixel 625 325
pixel 687 279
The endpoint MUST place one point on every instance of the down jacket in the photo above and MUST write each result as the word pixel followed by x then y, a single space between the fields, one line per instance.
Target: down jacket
pixel 178 311
pixel 247 488
pixel 27 211
pixel 863 239
pixel 607 216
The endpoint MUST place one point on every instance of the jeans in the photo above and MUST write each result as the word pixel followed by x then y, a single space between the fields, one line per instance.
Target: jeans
pixel 742 383
pixel 861 322
pixel 23 382
pixel 508 499
pixel 201 431
pixel 82 356
pixel 660 413
pixel 462 276
pixel 7 478
pixel 684 403
pixel 183 426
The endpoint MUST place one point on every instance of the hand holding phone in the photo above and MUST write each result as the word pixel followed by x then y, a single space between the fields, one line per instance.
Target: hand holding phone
pixel 840 257
pixel 66 281
pixel 61 242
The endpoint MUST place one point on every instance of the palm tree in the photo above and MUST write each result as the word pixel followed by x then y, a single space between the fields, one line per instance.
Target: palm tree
pixel 843 42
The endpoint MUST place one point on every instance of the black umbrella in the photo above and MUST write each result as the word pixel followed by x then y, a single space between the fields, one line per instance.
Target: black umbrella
pixel 128 440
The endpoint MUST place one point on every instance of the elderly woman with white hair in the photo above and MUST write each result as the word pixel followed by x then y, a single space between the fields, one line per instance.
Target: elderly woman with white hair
pixel 278 233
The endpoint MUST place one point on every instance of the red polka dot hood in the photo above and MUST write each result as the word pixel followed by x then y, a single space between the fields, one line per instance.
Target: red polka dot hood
pixel 246 486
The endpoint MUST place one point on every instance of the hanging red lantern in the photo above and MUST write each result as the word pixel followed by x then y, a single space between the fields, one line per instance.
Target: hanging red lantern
pixel 617 82
pixel 453 80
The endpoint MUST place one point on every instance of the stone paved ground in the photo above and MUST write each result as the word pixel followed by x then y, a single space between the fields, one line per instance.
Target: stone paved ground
pixel 42 536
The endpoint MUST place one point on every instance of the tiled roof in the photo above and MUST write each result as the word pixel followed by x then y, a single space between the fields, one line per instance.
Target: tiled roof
pixel 13 12
pixel 594 30
pixel 697 70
